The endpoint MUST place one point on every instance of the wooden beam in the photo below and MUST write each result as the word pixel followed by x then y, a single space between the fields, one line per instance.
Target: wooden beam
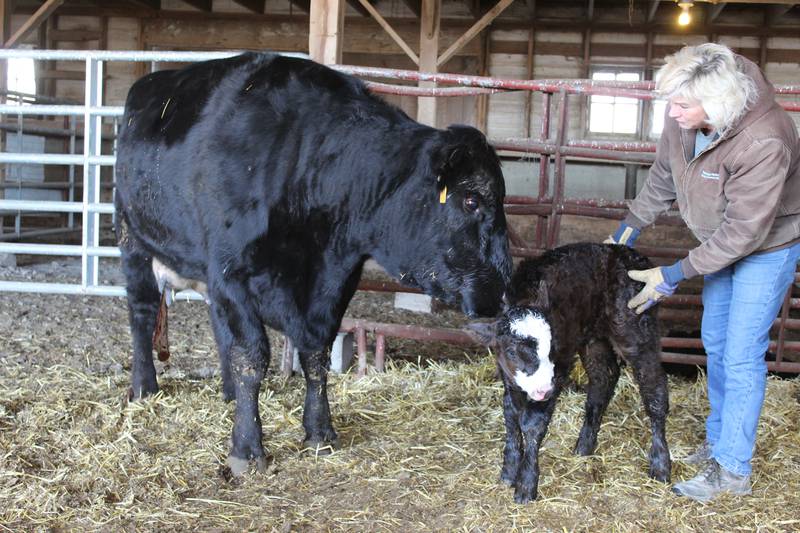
pixel 590 11
pixel 474 30
pixel 775 13
pixel 714 10
pixel 356 4
pixel 388 29
pixel 789 30
pixel 34 22
pixel 77 75
pixel 474 7
pixel 304 5
pixel 147 4
pixel 531 5
pixel 414 6
pixel 651 13
pixel 75 35
pixel 791 2
pixel 6 10
pixel 256 6
pixel 202 5
pixel 326 27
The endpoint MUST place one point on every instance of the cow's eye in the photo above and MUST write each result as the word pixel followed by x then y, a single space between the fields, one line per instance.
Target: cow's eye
pixel 471 202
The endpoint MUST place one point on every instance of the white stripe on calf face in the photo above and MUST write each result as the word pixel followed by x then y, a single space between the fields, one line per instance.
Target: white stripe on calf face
pixel 534 326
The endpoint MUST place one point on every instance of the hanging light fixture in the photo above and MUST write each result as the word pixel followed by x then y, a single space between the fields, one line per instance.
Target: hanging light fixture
pixel 685 17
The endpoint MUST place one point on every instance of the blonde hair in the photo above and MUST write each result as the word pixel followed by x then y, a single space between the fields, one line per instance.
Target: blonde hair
pixel 708 74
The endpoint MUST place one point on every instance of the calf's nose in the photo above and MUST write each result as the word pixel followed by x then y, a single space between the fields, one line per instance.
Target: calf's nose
pixel 540 395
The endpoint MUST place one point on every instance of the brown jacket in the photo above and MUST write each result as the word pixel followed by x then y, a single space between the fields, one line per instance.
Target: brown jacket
pixel 740 195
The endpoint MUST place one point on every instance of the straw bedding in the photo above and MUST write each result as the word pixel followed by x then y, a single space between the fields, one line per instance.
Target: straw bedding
pixel 421 443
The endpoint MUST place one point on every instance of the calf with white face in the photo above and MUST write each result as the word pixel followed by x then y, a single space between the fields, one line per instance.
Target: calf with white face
pixel 573 300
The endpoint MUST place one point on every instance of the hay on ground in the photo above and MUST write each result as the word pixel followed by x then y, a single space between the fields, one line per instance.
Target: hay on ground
pixel 421 451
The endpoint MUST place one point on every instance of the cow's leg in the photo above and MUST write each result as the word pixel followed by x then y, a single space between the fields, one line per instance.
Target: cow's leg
pixel 512 452
pixel 533 422
pixel 143 303
pixel 224 338
pixel 236 319
pixel 602 368
pixel 643 355
pixel 320 435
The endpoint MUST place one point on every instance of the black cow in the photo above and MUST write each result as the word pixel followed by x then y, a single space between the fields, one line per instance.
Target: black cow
pixel 568 298
pixel 271 180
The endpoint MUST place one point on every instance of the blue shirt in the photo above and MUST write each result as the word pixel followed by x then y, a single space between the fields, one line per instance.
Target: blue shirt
pixel 701 141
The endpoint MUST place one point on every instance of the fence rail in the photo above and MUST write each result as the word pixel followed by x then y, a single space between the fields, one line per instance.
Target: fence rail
pixel 548 205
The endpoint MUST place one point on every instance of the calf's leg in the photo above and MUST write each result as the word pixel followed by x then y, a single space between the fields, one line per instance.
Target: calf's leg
pixel 320 435
pixel 652 380
pixel 237 325
pixel 533 421
pixel 512 452
pixel 602 368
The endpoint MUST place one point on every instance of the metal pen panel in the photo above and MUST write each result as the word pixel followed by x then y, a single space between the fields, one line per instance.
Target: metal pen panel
pixel 91 172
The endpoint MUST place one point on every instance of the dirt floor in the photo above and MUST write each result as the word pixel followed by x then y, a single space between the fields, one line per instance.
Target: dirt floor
pixel 421 443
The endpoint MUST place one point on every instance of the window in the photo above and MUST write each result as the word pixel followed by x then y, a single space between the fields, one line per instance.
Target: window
pixel 21 77
pixel 659 108
pixel 614 114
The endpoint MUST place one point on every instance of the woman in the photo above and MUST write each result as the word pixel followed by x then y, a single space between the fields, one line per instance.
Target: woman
pixel 730 156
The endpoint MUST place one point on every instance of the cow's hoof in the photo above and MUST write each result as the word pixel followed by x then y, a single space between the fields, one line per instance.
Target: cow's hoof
pixel 239 467
pixel 508 478
pixel 136 393
pixel 524 495
pixel 320 447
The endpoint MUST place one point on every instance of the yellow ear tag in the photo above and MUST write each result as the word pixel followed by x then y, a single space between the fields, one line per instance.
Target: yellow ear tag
pixel 443 195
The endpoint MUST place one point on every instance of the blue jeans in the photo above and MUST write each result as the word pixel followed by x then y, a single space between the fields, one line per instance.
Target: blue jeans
pixel 740 302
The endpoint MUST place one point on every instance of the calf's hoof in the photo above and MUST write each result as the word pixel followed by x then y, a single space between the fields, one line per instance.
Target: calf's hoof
pixel 228 396
pixel 239 466
pixel 660 463
pixel 320 447
pixel 660 472
pixel 585 445
pixel 584 449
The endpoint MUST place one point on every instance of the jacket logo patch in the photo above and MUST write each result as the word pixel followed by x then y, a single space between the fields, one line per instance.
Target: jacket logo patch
pixel 709 175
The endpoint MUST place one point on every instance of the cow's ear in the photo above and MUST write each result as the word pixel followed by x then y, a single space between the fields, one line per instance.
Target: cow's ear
pixel 542 300
pixel 448 162
pixel 483 332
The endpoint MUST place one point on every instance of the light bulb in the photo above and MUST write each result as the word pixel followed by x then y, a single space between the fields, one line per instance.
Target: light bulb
pixel 685 17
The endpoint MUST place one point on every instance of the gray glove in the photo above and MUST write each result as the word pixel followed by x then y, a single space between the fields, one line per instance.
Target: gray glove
pixel 655 288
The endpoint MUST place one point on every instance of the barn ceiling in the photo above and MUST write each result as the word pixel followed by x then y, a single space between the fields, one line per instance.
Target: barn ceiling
pixel 760 16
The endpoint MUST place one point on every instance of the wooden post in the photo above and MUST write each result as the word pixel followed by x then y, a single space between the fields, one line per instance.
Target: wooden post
pixel 526 128
pixel 428 56
pixel 326 30
pixel 482 103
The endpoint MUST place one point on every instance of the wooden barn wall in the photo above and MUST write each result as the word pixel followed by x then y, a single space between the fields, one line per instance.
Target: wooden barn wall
pixel 556 54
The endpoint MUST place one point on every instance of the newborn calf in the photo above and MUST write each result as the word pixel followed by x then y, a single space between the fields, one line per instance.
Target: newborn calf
pixel 573 300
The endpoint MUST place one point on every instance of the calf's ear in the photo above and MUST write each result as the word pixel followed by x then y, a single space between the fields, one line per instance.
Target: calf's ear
pixel 542 300
pixel 483 332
